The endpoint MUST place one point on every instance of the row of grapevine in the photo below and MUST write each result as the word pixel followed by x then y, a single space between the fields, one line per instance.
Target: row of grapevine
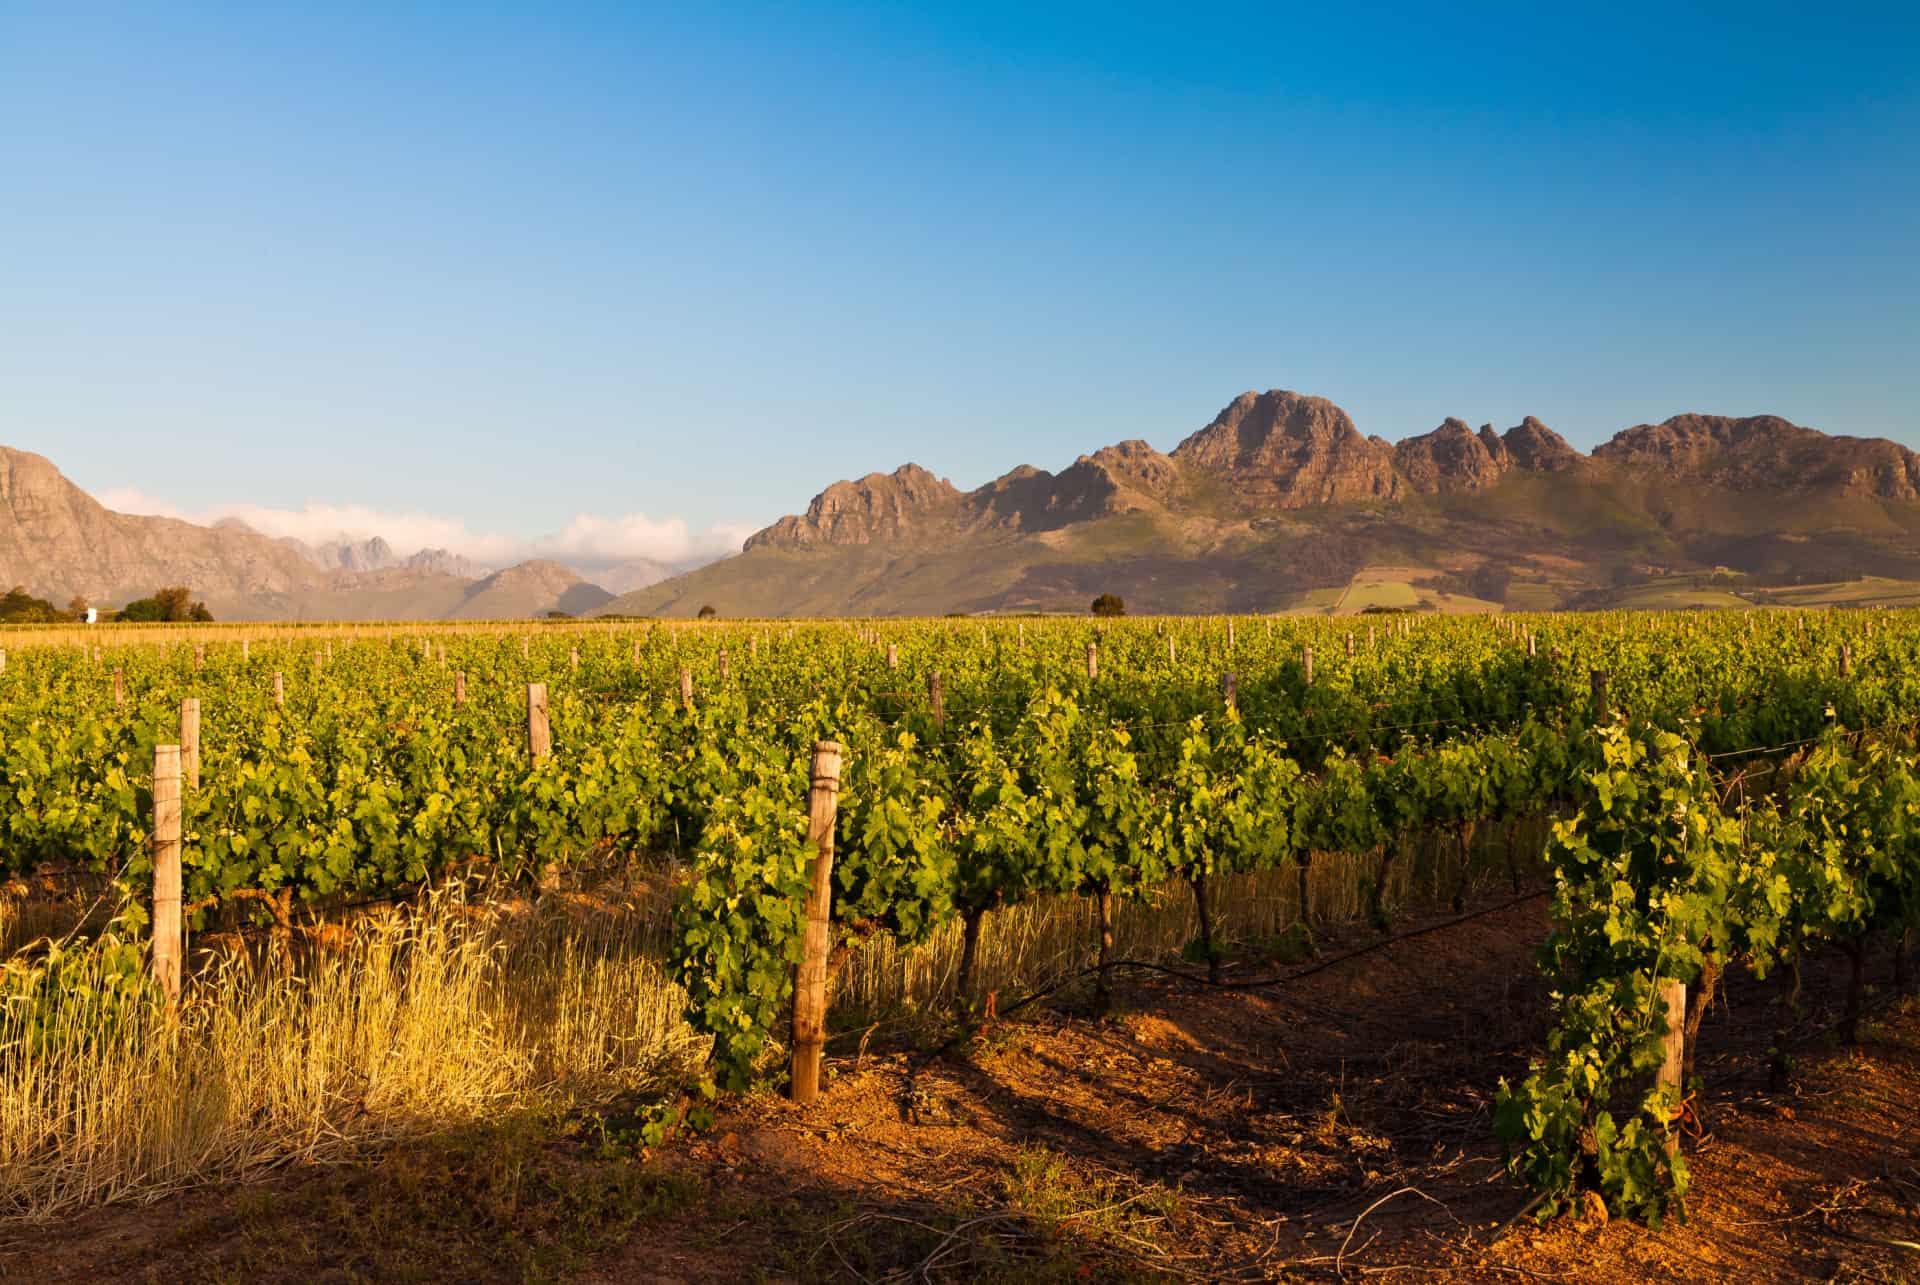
pixel 987 764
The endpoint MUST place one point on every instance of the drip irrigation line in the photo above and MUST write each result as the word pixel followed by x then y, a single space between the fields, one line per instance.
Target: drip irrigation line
pixel 1201 980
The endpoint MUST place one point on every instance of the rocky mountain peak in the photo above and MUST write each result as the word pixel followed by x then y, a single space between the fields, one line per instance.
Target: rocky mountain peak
pixel 1288 450
pixel 1765 452
pixel 1451 458
pixel 1533 445
pixel 879 506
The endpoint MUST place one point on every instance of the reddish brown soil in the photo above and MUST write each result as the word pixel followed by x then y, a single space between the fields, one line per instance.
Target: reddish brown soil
pixel 1335 1126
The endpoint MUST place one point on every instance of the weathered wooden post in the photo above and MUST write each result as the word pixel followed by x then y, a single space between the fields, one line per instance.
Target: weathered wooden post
pixel 686 689
pixel 539 733
pixel 1170 659
pixel 1598 679
pixel 119 685
pixel 893 656
pixel 1846 660
pixel 1349 644
pixel 936 698
pixel 1230 689
pixel 246 650
pixel 810 974
pixel 573 659
pixel 1306 661
pixel 279 689
pixel 1093 660
pixel 724 670
pixel 1673 1044
pixel 460 687
pixel 166 872
pixel 190 741
pixel 199 655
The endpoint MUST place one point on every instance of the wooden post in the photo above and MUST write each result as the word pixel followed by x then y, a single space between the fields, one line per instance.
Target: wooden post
pixel 1369 638
pixel 1093 660
pixel 1846 660
pixel 937 699
pixel 893 656
pixel 199 655
pixel 539 734
pixel 1674 1043
pixel 1230 689
pixel 636 650
pixel 190 741
pixel 724 671
pixel 1349 644
pixel 3 660
pixel 119 685
pixel 1229 633
pixel 573 659
pixel 523 646
pixel 279 689
pixel 810 974
pixel 1598 678
pixel 1306 660
pixel 246 649
pixel 686 688
pixel 316 664
pixel 1170 659
pixel 460 687
pixel 166 871
pixel 1531 651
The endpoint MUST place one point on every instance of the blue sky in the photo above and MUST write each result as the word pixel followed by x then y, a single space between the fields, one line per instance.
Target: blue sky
pixel 546 273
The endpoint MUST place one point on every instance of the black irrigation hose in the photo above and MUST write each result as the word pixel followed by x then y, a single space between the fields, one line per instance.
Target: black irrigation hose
pixel 1199 979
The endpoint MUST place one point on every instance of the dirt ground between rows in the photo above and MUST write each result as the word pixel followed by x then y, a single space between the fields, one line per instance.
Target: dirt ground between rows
pixel 1336 1126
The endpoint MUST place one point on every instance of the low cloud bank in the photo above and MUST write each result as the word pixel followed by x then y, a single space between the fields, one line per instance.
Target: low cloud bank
pixel 588 541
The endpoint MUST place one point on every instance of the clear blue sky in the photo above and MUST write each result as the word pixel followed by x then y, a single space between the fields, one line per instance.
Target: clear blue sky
pixel 507 264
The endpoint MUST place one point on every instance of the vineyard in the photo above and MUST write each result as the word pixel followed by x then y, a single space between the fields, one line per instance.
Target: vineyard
pixel 1705 795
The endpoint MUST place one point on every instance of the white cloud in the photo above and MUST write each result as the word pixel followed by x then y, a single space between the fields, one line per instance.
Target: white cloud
pixel 588 539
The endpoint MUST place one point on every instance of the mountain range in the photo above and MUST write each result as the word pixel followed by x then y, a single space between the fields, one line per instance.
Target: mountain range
pixel 1281 503
pixel 1278 503
pixel 59 543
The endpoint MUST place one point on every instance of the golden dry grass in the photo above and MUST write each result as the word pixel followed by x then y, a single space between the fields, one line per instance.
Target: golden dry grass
pixel 425 1018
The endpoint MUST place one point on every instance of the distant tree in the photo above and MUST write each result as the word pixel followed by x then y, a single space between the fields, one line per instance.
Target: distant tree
pixel 173 603
pixel 18 607
pixel 1109 604
pixel 78 606
pixel 707 612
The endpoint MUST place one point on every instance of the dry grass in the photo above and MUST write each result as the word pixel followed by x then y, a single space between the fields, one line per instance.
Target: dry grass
pixel 423 1019
pixel 478 1002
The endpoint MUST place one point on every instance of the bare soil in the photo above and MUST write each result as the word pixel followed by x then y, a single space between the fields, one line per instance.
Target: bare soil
pixel 1336 1125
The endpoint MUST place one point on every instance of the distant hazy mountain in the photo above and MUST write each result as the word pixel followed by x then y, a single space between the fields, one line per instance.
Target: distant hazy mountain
pixel 58 542
pixel 1280 502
